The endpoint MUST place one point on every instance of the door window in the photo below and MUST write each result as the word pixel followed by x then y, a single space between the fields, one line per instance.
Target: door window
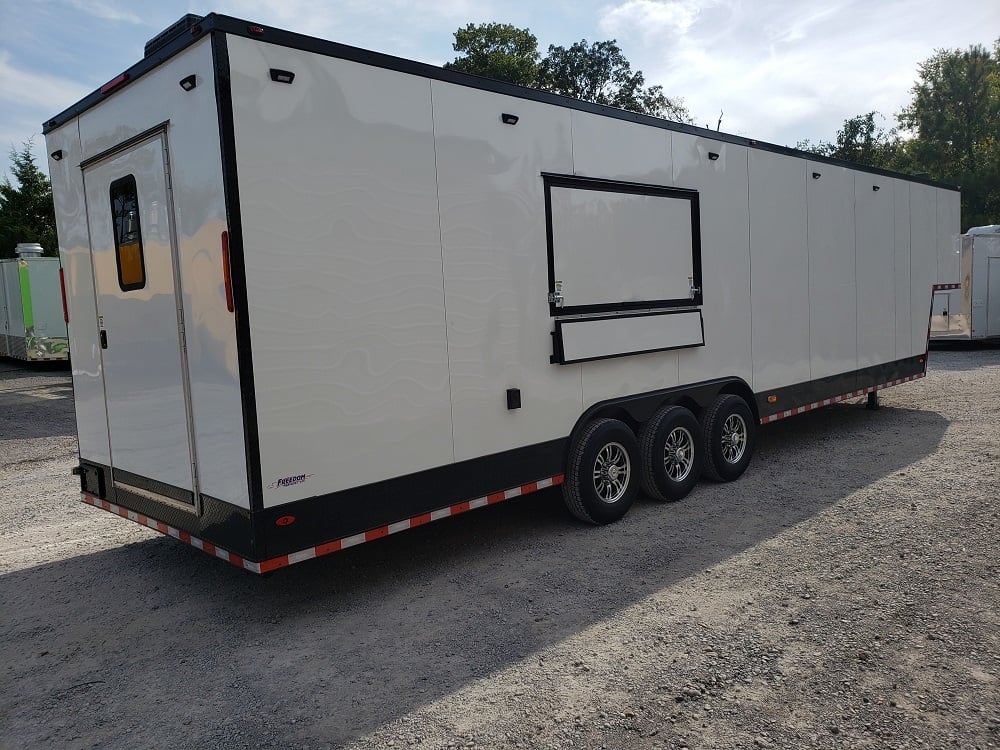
pixel 128 234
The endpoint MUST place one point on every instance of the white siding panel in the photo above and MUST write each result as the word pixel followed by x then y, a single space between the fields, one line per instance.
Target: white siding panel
pixel 833 297
pixel 876 311
pixel 496 268
pixel 779 270
pixel 343 261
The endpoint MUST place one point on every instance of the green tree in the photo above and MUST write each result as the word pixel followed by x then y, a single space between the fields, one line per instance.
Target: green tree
pixel 597 72
pixel 600 73
pixel 861 140
pixel 954 120
pixel 497 50
pixel 26 210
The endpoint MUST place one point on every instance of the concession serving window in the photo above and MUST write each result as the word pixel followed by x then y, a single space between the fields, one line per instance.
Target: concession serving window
pixel 624 268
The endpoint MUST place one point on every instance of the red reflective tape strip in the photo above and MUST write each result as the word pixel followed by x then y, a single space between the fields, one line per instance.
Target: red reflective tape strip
pixel 227 274
pixel 378 533
pixel 274 563
pixel 459 508
pixel 326 549
pixel 62 288
pixel 420 520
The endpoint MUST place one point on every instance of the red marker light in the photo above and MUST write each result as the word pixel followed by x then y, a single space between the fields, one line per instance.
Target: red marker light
pixel 62 288
pixel 227 275
pixel 255 29
pixel 114 83
pixel 285 521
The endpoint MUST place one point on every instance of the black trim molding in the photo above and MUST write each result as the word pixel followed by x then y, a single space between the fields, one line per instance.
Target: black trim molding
pixel 151 485
pixel 809 392
pixel 237 265
pixel 325 518
pixel 219 523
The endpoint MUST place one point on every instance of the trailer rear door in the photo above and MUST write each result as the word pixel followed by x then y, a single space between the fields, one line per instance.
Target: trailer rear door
pixel 129 214
pixel 993 297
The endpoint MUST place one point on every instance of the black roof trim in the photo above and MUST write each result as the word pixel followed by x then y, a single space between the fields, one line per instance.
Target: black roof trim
pixel 229 25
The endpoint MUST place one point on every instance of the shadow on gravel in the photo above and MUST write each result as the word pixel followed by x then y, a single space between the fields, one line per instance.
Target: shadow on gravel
pixel 327 651
pixel 35 400
pixel 961 356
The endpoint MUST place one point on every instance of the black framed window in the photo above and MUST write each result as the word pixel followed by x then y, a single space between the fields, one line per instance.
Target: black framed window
pixel 128 234
pixel 615 246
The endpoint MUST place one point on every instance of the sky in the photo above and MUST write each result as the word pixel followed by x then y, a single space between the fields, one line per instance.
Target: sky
pixel 781 71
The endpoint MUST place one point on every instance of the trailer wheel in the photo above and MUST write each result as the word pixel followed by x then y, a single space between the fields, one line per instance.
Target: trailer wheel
pixel 728 436
pixel 667 449
pixel 602 472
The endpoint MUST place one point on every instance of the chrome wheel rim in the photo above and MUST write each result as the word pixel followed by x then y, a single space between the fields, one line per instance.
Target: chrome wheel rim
pixel 734 438
pixel 678 454
pixel 612 471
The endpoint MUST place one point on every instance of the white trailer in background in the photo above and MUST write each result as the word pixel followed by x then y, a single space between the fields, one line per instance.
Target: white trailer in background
pixel 32 315
pixel 967 297
pixel 319 295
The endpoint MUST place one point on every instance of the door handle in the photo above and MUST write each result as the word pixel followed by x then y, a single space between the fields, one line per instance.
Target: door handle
pixel 104 339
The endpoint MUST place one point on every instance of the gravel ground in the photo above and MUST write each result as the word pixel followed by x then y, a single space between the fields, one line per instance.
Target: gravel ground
pixel 845 593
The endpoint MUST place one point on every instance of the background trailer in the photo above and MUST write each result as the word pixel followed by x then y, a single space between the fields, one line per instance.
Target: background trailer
pixel 32 315
pixel 319 295
pixel 967 301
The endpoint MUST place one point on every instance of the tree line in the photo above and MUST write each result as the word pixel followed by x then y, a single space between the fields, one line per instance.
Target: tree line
pixel 950 130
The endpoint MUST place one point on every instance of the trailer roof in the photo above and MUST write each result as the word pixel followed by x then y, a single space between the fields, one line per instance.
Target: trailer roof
pixel 189 29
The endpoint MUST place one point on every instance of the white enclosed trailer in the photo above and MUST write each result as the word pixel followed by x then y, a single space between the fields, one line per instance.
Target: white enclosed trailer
pixel 319 295
pixel 32 312
pixel 967 297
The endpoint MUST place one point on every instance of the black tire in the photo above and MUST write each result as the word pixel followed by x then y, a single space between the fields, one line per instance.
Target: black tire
pixel 602 473
pixel 728 437
pixel 668 454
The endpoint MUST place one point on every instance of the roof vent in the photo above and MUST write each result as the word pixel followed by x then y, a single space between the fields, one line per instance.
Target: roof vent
pixel 28 250
pixel 170 33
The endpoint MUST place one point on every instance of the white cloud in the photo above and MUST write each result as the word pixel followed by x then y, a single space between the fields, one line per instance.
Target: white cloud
pixel 106 11
pixel 649 19
pixel 28 99
pixel 786 71
pixel 391 26
pixel 23 89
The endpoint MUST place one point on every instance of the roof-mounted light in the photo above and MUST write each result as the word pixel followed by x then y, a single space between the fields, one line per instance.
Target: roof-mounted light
pixel 114 83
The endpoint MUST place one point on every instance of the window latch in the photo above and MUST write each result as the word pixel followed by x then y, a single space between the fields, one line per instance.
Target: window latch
pixel 556 297
pixel 695 290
